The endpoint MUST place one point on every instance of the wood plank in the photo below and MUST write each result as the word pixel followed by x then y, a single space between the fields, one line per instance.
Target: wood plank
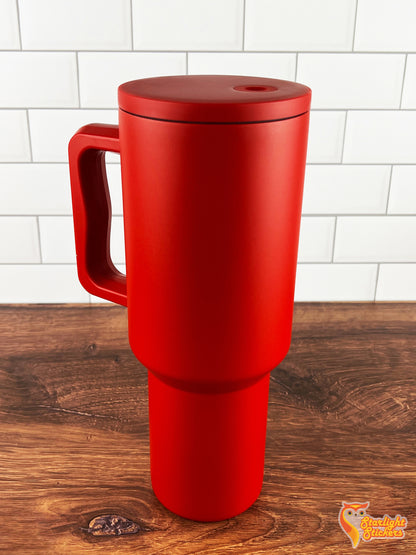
pixel 74 435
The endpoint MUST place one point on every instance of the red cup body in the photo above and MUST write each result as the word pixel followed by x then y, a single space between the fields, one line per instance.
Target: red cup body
pixel 211 215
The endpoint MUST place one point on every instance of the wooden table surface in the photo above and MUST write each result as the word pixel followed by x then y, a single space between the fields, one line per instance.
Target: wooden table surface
pixel 74 435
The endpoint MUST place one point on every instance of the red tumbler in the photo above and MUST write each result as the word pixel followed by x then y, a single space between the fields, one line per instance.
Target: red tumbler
pixel 212 176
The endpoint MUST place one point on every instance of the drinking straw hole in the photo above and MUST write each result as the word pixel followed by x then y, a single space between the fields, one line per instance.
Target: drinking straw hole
pixel 255 88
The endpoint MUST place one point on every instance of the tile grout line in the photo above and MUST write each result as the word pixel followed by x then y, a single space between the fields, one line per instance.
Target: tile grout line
pixel 18 23
pixel 30 136
pixel 131 24
pixel 308 215
pixel 343 136
pixel 244 24
pixel 207 51
pixel 78 82
pixel 296 65
pixel 388 193
pixel 74 264
pixel 67 216
pixel 305 262
pixel 376 284
pixel 387 163
pixel 186 63
pixel 355 26
pixel 404 77
pixel 39 241
pixel 55 108
pixel 359 164
pixel 114 108
pixel 333 241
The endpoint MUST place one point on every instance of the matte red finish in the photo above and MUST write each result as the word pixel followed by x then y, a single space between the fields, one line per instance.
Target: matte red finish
pixel 92 211
pixel 214 98
pixel 207 450
pixel 212 216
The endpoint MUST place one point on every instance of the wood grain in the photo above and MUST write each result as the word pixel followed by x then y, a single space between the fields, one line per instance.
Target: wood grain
pixel 74 435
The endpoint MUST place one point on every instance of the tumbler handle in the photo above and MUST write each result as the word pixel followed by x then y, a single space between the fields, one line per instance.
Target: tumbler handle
pixel 92 211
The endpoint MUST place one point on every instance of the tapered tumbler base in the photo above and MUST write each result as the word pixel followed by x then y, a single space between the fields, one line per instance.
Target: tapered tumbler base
pixel 207 449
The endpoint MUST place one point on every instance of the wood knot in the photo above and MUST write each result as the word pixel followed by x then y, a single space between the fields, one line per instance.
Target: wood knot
pixel 113 525
pixel 92 348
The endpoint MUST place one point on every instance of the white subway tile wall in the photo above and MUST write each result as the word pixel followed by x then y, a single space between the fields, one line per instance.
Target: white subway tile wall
pixel 51 130
pixel 385 25
pixel 14 136
pixel 299 25
pixel 9 25
pixel 396 282
pixel 38 79
pixel 56 237
pixel 188 24
pixel 346 189
pixel 335 282
pixel 34 189
pixel 380 137
pixel 75 25
pixel 409 86
pixel 402 198
pixel 277 66
pixel 316 239
pixel 375 239
pixel 61 64
pixel 41 283
pixel 100 73
pixel 114 184
pixel 326 137
pixel 19 240
pixel 353 80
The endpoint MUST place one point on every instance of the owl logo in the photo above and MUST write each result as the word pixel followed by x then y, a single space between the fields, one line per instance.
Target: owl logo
pixel 349 519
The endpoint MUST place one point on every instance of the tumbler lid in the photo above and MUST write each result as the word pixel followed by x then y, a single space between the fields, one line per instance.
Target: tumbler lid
pixel 214 98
